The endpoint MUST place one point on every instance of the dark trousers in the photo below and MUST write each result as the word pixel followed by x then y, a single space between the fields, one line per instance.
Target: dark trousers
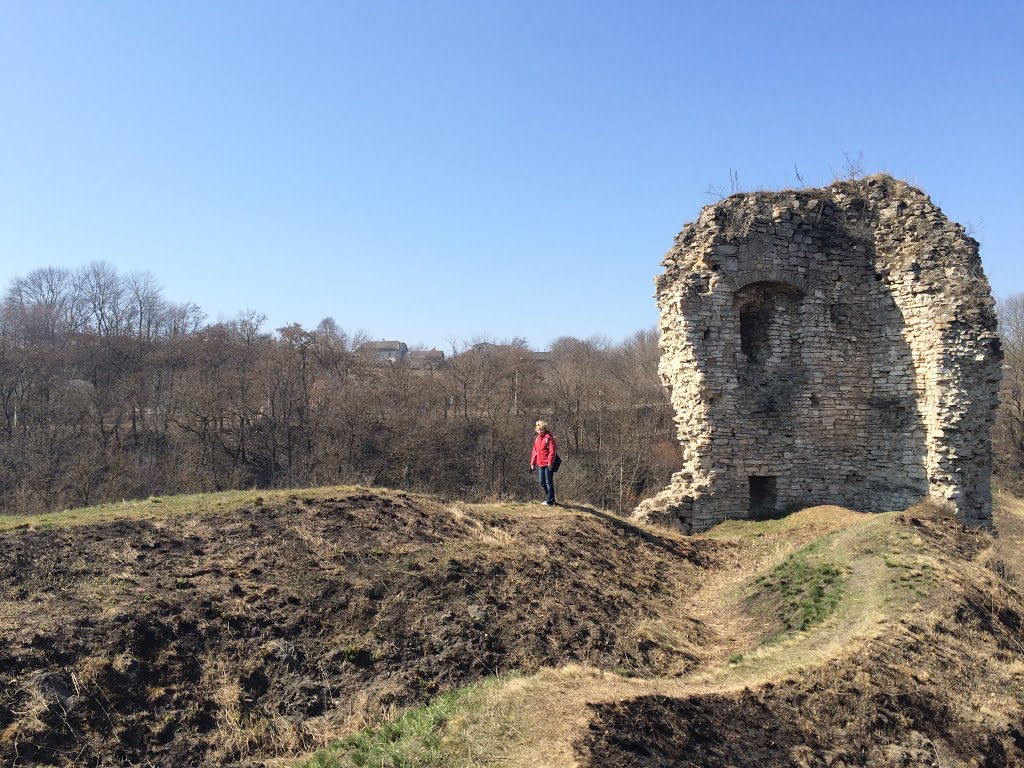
pixel 547 482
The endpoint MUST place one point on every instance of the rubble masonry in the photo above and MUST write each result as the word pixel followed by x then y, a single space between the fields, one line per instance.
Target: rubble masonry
pixel 826 346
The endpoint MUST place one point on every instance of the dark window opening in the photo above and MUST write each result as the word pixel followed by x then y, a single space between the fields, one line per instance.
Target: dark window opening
pixel 754 324
pixel 769 315
pixel 763 497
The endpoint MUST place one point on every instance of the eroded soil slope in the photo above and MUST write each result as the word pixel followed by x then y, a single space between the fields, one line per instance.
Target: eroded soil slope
pixel 226 638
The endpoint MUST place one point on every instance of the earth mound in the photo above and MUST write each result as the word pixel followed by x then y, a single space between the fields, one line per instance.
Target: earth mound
pixel 249 630
pixel 230 636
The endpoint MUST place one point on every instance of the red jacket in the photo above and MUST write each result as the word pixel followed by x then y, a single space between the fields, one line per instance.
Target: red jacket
pixel 543 450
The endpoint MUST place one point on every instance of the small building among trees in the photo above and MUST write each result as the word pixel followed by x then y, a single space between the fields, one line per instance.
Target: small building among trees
pixel 386 351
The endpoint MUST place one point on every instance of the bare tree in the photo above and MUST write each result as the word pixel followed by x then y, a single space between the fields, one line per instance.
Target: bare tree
pixel 107 391
pixel 104 297
pixel 1008 434
pixel 42 304
pixel 182 319
pixel 147 305
pixel 852 168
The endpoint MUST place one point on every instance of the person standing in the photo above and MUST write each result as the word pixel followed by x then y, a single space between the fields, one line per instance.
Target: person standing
pixel 542 458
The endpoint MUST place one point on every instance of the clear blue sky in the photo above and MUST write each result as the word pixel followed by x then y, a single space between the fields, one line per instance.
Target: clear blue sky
pixel 438 170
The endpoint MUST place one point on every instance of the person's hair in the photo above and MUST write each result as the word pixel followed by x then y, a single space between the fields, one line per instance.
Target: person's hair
pixel 541 425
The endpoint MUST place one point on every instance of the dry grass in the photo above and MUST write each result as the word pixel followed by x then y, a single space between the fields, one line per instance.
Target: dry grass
pixel 1008 516
pixel 891 572
pixel 479 531
pixel 242 730
pixel 531 722
pixel 528 510
pixel 535 721
pixel 30 714
pixel 160 507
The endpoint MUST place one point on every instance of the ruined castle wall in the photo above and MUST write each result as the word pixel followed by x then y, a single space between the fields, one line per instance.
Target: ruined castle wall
pixel 826 346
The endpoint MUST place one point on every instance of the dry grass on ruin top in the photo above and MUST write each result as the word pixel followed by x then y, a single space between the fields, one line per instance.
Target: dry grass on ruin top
pixel 251 629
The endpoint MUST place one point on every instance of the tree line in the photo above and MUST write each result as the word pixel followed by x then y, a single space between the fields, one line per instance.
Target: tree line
pixel 109 391
pixel 1008 435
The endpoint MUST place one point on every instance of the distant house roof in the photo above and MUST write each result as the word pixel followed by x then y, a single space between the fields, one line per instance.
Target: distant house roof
pixel 384 346
pixel 386 351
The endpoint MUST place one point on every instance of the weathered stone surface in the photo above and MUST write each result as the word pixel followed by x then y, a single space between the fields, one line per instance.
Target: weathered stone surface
pixel 831 345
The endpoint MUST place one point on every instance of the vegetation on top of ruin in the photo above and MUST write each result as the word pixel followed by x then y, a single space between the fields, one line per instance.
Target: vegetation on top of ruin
pixel 864 186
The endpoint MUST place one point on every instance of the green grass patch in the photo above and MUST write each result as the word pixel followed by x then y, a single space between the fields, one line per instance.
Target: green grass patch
pixel 745 530
pixel 911 572
pixel 808 586
pixel 417 739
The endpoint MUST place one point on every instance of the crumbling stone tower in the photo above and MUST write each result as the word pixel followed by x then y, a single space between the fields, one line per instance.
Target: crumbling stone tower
pixel 832 345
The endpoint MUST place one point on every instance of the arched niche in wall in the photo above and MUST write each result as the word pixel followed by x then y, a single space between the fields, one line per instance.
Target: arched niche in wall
pixel 770 336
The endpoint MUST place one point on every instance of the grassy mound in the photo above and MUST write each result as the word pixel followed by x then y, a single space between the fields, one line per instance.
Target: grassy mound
pixel 391 630
pixel 229 630
pixel 842 639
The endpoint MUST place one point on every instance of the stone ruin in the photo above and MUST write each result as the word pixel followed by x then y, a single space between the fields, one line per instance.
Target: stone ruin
pixel 827 346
